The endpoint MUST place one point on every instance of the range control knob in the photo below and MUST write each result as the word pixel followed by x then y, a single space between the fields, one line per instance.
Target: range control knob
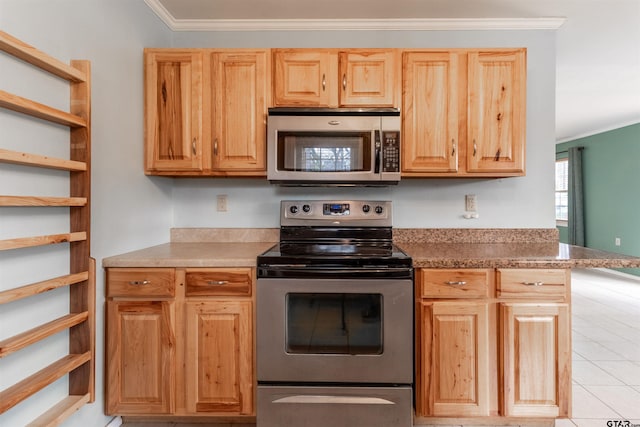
pixel 293 209
pixel 379 210
pixel 366 208
pixel 306 208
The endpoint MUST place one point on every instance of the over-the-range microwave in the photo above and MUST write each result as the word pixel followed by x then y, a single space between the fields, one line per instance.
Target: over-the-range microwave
pixel 333 146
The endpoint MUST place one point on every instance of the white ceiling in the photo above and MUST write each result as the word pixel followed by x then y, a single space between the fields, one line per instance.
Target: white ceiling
pixel 598 46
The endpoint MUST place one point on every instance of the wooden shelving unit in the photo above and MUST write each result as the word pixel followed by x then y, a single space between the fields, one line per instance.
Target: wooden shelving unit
pixel 78 364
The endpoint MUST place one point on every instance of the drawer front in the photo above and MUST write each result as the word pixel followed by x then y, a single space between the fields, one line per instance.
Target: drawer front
pixel 140 282
pixel 219 281
pixel 444 283
pixel 532 283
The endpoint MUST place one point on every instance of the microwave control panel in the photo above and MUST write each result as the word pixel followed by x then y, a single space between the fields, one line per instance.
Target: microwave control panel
pixel 390 151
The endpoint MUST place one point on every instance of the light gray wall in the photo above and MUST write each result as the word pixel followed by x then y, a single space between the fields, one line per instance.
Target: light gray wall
pixel 132 211
pixel 129 210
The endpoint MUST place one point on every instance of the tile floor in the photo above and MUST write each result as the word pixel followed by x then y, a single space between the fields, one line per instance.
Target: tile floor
pixel 606 352
pixel 606 349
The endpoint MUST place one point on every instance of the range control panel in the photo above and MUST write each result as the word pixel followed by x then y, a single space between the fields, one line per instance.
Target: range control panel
pixel 298 212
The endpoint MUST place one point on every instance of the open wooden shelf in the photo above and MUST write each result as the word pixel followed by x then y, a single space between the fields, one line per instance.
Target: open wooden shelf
pixel 40 111
pixel 79 363
pixel 42 201
pixel 27 159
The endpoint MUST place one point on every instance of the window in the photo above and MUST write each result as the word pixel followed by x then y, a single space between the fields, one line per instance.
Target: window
pixel 562 191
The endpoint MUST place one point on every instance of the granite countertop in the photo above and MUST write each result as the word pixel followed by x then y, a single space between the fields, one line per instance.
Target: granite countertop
pixel 513 255
pixel 502 248
pixel 429 248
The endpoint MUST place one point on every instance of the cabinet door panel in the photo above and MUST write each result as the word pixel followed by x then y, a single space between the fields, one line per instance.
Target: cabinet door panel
pixel 536 359
pixel 454 359
pixel 173 110
pixel 367 78
pixel 430 112
pixel 497 111
pixel 240 108
pixel 305 78
pixel 219 357
pixel 141 345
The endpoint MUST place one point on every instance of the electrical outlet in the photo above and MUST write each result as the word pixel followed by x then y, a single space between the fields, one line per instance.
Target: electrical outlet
pixel 470 203
pixel 617 241
pixel 221 200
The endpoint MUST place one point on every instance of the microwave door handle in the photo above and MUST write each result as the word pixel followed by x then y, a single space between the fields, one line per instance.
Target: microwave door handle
pixel 378 152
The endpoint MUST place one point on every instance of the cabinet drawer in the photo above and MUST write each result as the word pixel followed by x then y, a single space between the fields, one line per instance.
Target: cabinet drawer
pixel 140 282
pixel 219 281
pixel 532 283
pixel 444 283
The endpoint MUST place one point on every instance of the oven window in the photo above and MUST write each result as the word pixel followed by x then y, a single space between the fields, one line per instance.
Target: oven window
pixel 324 151
pixel 319 323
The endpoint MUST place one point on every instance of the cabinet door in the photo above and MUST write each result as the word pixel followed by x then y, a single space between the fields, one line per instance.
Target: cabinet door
pixel 219 357
pixel 453 373
pixel 305 78
pixel 368 78
pixel 430 112
pixel 140 357
pixel 173 110
pixel 497 111
pixel 240 91
pixel 536 354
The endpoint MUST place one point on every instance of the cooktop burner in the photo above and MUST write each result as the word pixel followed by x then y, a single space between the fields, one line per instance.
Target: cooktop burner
pixel 349 237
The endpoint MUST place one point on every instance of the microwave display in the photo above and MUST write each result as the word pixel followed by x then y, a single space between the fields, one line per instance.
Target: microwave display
pixel 324 151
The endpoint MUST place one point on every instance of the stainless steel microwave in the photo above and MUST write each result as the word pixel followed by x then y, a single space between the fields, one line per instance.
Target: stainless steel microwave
pixel 333 146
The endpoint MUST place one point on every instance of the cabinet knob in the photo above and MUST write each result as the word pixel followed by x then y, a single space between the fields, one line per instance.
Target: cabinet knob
pixel 475 148
pixel 456 283
pixel 193 146
pixel 324 82
pixel 140 282
pixel 217 282
pixel 453 149
pixel 215 147
pixel 533 283
pixel 344 81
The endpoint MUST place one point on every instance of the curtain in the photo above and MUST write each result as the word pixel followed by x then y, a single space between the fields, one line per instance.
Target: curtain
pixel 576 198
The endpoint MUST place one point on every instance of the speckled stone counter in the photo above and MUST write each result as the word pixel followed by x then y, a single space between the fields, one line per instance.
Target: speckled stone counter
pixel 513 255
pixel 429 248
pixel 502 248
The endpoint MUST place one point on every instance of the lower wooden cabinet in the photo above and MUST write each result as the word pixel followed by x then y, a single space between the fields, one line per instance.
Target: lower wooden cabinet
pixel 536 359
pixel 454 350
pixel 218 362
pixel 169 353
pixel 493 343
pixel 140 357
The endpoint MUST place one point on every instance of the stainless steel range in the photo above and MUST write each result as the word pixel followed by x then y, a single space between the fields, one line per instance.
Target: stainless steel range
pixel 335 319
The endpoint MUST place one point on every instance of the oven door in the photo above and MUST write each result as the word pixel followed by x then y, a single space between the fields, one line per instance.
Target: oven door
pixel 335 330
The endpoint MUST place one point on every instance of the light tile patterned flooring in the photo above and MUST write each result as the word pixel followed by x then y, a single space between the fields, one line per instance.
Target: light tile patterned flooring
pixel 606 349
pixel 606 352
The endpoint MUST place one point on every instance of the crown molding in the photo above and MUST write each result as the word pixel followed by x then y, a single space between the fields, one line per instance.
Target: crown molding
pixel 597 131
pixel 409 24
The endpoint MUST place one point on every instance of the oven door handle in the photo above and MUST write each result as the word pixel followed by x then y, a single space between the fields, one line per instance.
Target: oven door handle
pixel 341 400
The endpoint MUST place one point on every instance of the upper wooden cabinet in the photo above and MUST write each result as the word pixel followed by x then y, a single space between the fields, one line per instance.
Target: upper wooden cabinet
pixel 173 110
pixel 334 78
pixel 430 112
pixel 239 94
pixel 205 111
pixel 464 112
pixel 497 111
